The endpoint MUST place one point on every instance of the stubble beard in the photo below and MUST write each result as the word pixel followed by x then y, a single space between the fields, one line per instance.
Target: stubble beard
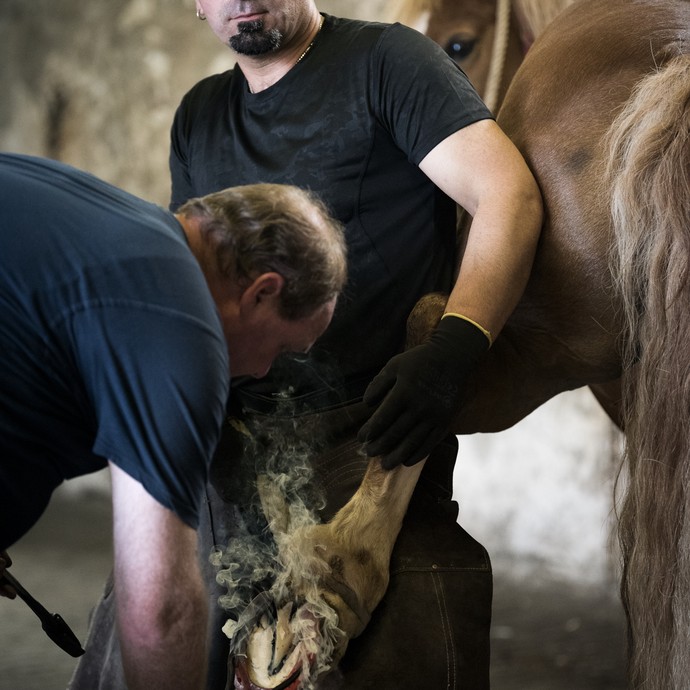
pixel 251 39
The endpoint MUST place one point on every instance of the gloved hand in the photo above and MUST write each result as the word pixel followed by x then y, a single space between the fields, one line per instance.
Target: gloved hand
pixel 418 393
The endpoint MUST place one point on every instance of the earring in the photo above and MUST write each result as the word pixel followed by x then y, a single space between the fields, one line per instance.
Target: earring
pixel 200 15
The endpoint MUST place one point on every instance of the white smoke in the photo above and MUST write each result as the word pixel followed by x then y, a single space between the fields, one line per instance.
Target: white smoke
pixel 274 565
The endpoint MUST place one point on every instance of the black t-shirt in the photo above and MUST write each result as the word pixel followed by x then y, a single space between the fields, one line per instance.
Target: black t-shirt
pixel 351 122
pixel 112 347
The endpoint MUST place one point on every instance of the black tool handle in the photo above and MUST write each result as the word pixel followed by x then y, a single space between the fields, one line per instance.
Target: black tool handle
pixel 34 605
pixel 52 623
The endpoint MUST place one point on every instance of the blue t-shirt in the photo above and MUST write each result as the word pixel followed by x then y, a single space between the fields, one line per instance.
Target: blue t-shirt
pixel 111 345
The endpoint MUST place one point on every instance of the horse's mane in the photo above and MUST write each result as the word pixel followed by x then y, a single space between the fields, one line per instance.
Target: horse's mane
pixel 533 15
pixel 409 11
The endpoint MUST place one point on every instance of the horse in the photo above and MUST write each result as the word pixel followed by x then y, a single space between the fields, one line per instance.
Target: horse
pixel 608 138
pixel 600 109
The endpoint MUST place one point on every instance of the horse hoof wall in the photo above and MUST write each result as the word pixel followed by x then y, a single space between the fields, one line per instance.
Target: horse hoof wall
pixel 243 682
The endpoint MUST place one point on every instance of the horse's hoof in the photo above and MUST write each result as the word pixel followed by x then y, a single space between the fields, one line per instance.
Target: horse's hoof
pixel 243 682
pixel 276 653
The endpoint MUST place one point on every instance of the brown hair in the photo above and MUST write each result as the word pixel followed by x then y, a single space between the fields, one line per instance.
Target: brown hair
pixel 261 228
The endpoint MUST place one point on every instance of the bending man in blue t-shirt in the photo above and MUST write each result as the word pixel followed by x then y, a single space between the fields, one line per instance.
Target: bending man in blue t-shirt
pixel 120 323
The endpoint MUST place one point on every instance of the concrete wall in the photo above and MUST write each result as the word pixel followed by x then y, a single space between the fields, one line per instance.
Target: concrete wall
pixel 96 85
pixel 539 496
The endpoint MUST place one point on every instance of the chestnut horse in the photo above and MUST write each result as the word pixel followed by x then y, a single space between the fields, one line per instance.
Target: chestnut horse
pixel 600 109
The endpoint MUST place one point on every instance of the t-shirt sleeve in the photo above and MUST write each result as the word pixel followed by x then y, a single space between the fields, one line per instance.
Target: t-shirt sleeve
pixel 421 95
pixel 195 117
pixel 181 185
pixel 158 382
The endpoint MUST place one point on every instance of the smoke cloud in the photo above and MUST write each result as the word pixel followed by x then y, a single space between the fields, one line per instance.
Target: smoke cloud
pixel 272 571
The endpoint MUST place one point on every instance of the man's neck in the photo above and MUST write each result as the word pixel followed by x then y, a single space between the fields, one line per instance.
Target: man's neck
pixel 263 71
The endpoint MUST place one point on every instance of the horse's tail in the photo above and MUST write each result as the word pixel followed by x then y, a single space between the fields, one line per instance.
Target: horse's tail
pixel 650 176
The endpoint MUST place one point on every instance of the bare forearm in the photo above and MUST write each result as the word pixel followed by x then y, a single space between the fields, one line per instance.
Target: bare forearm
pixel 167 649
pixel 497 262
pixel 161 598
pixel 419 391
pixel 482 170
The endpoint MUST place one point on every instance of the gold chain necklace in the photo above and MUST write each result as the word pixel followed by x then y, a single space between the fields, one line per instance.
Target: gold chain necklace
pixel 308 48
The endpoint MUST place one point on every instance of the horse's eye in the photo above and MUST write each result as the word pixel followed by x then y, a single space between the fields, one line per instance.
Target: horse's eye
pixel 460 47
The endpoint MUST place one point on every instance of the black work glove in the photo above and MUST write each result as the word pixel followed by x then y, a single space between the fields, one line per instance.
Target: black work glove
pixel 419 391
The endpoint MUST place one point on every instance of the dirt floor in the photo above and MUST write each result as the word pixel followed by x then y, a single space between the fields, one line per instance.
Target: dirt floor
pixel 548 636
pixel 552 637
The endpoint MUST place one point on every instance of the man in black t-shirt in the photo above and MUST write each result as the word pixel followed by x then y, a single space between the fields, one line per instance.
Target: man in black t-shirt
pixel 380 123
pixel 388 131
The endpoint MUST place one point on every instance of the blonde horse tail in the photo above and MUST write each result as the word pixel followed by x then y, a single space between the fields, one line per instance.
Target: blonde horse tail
pixel 650 177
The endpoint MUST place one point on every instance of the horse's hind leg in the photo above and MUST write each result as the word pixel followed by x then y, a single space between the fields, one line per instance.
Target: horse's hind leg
pixel 431 629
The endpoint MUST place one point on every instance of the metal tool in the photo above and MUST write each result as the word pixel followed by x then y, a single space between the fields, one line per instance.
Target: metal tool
pixel 53 624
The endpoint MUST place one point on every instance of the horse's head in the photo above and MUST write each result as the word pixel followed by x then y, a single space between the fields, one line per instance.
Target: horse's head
pixel 486 38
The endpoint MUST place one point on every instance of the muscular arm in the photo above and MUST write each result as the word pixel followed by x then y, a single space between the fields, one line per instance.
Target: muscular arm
pixel 419 391
pixel 161 603
pixel 480 168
